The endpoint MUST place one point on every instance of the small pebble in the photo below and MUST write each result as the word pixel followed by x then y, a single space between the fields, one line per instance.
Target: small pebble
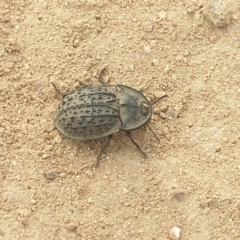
pixel 153 43
pixel 174 233
pixel 62 174
pixel 98 17
pixel 167 69
pixel 164 109
pixel 190 124
pixel 147 49
pixel 24 221
pixel 45 156
pixel 163 115
pixel 48 147
pixel 125 190
pixel 218 149
pixel 156 110
pixel 162 15
pixel 148 26
pixel 50 175
pixel 75 43
pixel 90 200
pixel 159 94
pixel 14 163
pixel 178 58
pixel 5 19
pixel 155 62
pixel 58 139
pixel 33 201
pixel 218 13
pixel 71 226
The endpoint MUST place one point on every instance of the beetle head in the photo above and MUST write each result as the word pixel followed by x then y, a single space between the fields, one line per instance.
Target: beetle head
pixel 135 109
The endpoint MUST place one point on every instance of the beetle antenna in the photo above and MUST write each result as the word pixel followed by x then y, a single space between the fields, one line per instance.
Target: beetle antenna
pixel 165 95
pixel 138 147
pixel 57 90
pixel 154 134
pixel 99 157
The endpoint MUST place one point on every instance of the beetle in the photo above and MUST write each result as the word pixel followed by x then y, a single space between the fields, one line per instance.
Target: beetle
pixel 89 113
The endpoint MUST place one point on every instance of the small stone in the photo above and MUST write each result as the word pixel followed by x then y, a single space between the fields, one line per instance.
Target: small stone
pixel 186 53
pixel 90 200
pixel 45 156
pixel 33 201
pixel 14 162
pixel 48 147
pixel 62 174
pixel 148 26
pixel 167 69
pixel 17 86
pixel 218 13
pixel 153 43
pixel 178 58
pixel 235 17
pixel 24 221
pixel 178 196
pixel 156 110
pixel 162 15
pixel 159 94
pixel 50 175
pixel 125 190
pixel 174 233
pixel 75 43
pixel 71 226
pixel 147 49
pixel 5 19
pixel 131 67
pixel 163 115
pixel 164 109
pixel 98 17
pixel 58 139
pixel 190 124
pixel 218 149
pixel 155 62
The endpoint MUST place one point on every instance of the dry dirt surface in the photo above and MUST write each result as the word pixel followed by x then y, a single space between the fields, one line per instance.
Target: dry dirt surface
pixel 50 188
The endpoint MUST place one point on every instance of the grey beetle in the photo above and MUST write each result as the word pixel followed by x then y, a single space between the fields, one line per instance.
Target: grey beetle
pixel 95 112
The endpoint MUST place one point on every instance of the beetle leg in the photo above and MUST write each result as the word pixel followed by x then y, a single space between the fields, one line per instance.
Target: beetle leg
pixel 154 134
pixel 138 147
pixel 58 91
pixel 103 150
pixel 103 75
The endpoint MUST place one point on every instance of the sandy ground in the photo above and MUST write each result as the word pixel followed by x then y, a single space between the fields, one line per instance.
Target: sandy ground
pixel 49 186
